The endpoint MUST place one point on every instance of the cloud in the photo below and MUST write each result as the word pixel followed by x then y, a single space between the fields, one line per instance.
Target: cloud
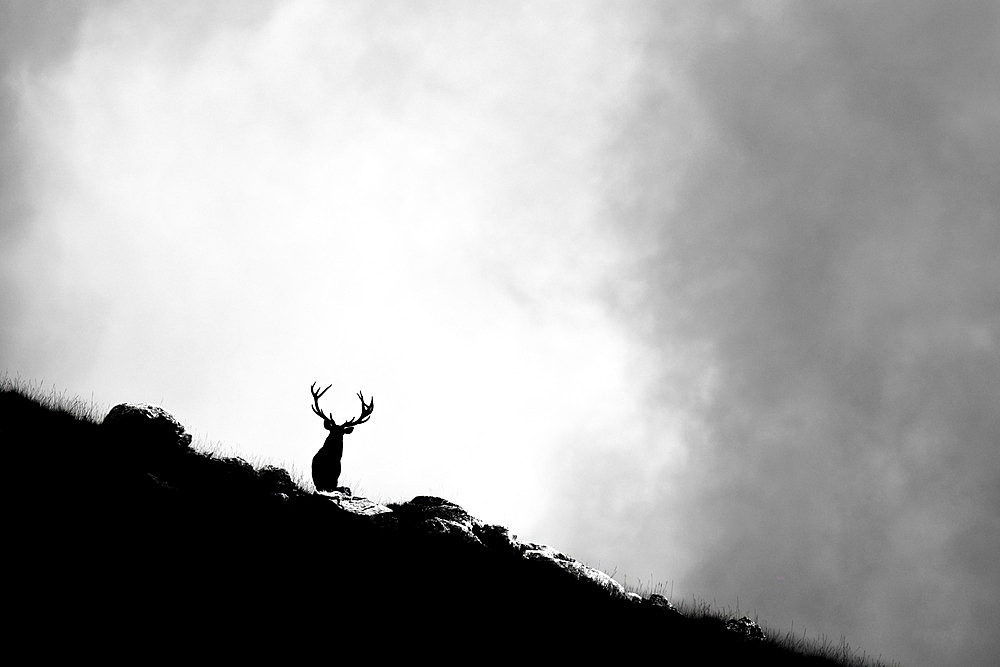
pixel 699 292
pixel 230 204
pixel 812 195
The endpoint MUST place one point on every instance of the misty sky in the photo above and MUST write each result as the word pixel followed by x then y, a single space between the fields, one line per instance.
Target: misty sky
pixel 699 292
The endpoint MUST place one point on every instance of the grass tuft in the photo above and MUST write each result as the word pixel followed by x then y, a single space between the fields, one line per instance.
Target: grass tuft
pixel 53 398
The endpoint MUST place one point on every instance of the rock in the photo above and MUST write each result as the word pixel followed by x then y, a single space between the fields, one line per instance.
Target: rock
pixel 277 480
pixel 431 515
pixel 148 427
pixel 239 467
pixel 442 517
pixel 747 628
pixel 657 600
pixel 437 516
pixel 434 507
pixel 545 553
pixel 495 537
pixel 354 504
pixel 236 475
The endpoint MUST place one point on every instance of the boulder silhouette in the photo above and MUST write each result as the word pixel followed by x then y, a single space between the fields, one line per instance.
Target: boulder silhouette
pixel 145 431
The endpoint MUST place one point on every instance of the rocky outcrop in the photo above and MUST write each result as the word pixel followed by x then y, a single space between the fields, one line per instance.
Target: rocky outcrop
pixel 431 515
pixel 277 480
pixel 545 554
pixel 343 499
pixel 744 626
pixel 435 516
pixel 149 437
pixel 152 426
pixel 657 600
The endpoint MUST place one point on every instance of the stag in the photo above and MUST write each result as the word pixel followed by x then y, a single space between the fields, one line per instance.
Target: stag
pixel 326 463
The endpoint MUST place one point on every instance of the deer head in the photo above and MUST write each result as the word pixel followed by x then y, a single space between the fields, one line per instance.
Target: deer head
pixel 348 426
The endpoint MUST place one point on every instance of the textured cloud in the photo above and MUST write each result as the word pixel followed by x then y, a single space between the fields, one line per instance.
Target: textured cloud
pixel 701 292
pixel 814 197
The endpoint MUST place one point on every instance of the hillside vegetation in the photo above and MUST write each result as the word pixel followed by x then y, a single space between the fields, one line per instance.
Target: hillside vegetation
pixel 119 548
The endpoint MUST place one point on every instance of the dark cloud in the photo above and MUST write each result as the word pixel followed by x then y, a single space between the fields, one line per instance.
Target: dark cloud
pixel 825 276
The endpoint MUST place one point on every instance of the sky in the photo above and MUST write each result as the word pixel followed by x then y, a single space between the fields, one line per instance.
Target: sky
pixel 701 293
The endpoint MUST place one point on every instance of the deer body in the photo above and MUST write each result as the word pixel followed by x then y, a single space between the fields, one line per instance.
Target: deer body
pixel 326 464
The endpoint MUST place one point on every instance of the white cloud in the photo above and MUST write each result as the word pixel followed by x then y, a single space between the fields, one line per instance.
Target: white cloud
pixel 368 195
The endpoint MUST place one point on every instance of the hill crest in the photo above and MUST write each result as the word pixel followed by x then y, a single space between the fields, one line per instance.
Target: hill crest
pixel 157 533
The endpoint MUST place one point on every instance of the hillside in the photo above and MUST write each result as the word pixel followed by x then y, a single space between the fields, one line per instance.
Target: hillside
pixel 122 544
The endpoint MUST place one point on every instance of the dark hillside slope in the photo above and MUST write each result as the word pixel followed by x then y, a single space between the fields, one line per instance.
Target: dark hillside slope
pixel 117 551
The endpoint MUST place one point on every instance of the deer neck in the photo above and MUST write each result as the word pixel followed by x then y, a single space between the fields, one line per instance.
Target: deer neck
pixel 334 441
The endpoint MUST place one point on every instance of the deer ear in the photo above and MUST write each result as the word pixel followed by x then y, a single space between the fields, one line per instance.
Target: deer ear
pixel 349 429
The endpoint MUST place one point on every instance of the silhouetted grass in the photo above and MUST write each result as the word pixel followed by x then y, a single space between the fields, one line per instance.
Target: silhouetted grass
pixel 50 396
pixel 821 646
pixel 120 554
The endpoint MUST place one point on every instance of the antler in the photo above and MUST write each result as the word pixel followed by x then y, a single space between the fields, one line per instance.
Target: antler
pixel 315 406
pixel 366 412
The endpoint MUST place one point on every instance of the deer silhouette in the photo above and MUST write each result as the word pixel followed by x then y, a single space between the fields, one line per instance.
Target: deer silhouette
pixel 326 463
